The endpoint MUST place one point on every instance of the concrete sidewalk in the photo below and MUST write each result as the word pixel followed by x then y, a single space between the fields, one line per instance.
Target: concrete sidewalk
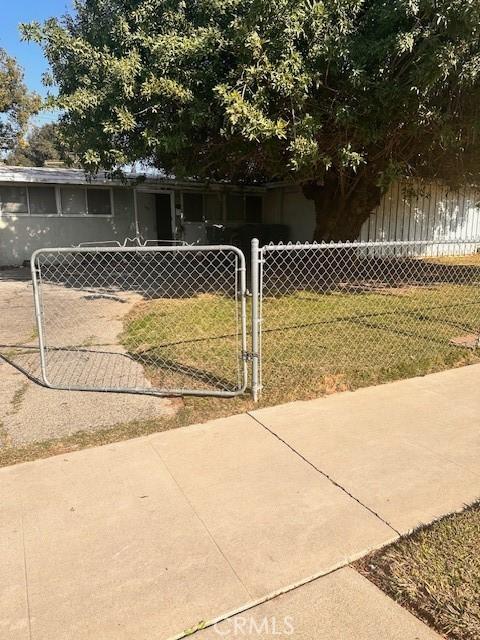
pixel 146 538
pixel 339 606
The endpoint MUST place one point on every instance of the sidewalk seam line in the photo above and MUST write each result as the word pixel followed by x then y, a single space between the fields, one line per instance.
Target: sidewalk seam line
pixel 253 604
pixel 273 595
pixel 25 573
pixel 200 519
pixel 325 475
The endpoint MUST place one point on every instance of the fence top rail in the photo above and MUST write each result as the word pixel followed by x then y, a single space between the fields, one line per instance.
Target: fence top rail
pixel 139 249
pixel 359 244
pixel 101 243
pixel 129 242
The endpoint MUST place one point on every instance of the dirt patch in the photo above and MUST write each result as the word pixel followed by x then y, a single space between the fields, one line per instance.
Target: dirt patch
pixel 18 397
pixel 5 440
pixel 470 341
pixel 75 318
pixel 382 289
pixel 31 413
pixel 18 317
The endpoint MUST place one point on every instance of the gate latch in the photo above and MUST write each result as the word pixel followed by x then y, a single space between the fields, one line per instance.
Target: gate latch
pixel 248 356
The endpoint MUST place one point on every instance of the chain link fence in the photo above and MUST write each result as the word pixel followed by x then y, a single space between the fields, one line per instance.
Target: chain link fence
pixel 339 316
pixel 172 320
pixel 156 320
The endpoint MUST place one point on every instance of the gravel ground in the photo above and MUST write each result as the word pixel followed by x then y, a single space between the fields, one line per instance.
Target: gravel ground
pixel 32 413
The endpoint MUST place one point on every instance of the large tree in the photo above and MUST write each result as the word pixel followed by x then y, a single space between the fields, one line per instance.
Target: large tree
pixel 41 145
pixel 17 104
pixel 339 96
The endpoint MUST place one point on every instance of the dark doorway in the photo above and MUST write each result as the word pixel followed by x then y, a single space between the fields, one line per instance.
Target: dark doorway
pixel 163 210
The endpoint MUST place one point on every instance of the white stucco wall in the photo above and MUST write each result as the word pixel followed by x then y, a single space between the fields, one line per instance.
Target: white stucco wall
pixel 146 215
pixel 21 235
pixel 288 205
pixel 432 213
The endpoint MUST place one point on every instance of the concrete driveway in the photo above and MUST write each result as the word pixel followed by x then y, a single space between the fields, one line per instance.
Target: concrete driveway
pixel 31 413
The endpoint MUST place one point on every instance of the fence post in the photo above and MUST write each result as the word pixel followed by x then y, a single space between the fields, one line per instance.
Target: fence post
pixel 36 275
pixel 255 286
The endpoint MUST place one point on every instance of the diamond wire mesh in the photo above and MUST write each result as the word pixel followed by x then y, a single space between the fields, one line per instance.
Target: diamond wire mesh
pixel 341 316
pixel 152 320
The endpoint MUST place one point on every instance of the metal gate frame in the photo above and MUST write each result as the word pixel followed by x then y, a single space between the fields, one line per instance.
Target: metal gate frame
pixel 392 248
pixel 256 286
pixel 241 294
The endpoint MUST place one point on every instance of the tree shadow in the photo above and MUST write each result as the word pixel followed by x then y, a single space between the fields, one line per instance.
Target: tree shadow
pixel 145 359
pixel 342 270
pixel 212 381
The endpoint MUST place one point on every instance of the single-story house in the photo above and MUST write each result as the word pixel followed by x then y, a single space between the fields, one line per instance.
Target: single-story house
pixel 53 207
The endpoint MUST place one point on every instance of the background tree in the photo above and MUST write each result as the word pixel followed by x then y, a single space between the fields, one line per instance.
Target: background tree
pixel 42 145
pixel 17 104
pixel 339 96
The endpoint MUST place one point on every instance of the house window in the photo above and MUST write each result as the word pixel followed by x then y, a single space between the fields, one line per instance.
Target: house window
pixel 82 201
pixel 49 200
pixel 235 208
pixel 243 208
pixel 193 207
pixel 214 207
pixel 253 209
pixel 42 200
pixel 98 202
pixel 13 199
pixel 222 207
pixel 73 201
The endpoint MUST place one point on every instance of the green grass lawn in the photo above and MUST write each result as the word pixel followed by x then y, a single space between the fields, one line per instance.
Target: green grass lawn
pixel 312 343
pixel 190 343
pixel 435 572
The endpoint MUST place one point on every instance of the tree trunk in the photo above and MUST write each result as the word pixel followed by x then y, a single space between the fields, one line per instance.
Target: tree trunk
pixel 339 217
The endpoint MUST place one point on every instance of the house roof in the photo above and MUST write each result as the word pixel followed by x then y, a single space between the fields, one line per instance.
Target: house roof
pixel 55 175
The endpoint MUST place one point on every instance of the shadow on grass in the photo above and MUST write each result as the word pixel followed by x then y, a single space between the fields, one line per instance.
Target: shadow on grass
pixel 210 380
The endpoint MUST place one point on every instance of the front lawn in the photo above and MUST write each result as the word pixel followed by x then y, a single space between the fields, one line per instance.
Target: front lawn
pixel 312 343
pixel 435 573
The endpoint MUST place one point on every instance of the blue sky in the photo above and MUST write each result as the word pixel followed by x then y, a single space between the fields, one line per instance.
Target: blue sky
pixel 29 56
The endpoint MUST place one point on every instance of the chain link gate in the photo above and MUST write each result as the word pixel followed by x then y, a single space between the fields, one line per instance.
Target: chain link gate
pixel 152 320
pixel 334 316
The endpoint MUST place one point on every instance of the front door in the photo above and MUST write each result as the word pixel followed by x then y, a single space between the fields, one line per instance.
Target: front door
pixel 163 211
